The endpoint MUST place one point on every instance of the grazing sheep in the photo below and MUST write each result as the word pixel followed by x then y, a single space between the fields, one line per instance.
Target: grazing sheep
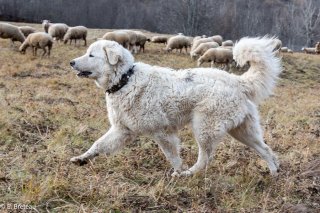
pixel 217 38
pixel 132 40
pixel 309 50
pixel 58 31
pixel 318 47
pixel 284 49
pixel 197 42
pixel 221 56
pixel 141 40
pixel 9 31
pixel 202 48
pixel 26 30
pixel 37 40
pixel 178 42
pixel 290 51
pixel 118 36
pixel 227 43
pixel 74 33
pixel 159 39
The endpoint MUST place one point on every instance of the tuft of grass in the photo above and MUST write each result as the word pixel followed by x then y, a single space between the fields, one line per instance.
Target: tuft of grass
pixel 48 115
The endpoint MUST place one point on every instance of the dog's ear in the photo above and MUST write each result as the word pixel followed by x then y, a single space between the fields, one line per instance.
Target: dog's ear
pixel 114 55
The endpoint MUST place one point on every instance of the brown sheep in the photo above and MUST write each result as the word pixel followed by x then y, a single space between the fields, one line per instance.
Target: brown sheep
pixel 159 39
pixel 118 36
pixel 141 40
pixel 220 56
pixel 37 40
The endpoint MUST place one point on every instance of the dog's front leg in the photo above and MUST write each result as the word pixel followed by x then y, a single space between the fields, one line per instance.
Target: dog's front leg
pixel 108 144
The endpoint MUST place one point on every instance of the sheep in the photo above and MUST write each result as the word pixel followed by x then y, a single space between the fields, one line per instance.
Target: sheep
pixel 26 30
pixel 290 51
pixel 178 42
pixel 284 49
pixel 141 40
pixel 74 33
pixel 277 45
pixel 217 38
pixel 309 50
pixel 159 39
pixel 46 24
pixel 9 31
pixel 317 47
pixel 202 48
pixel 118 36
pixel 133 38
pixel 197 42
pixel 227 43
pixel 37 40
pixel 221 56
pixel 57 30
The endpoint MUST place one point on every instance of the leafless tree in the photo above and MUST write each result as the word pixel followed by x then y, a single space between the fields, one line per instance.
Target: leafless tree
pixel 310 20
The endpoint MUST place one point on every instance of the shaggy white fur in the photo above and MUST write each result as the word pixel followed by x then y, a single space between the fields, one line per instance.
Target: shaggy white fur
pixel 159 101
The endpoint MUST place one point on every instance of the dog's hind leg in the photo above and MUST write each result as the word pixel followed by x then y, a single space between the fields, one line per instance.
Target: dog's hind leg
pixel 250 133
pixel 170 145
pixel 109 143
pixel 208 135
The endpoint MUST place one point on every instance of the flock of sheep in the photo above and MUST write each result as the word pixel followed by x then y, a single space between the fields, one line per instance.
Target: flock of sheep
pixel 207 49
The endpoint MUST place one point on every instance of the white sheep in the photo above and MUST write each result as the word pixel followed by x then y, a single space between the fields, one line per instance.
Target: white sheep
pixel 74 33
pixel 37 40
pixel 220 56
pixel 9 31
pixel 217 38
pixel 178 42
pixel 277 45
pixel 197 42
pixel 227 43
pixel 58 30
pixel 309 50
pixel 27 30
pixel 290 51
pixel 202 48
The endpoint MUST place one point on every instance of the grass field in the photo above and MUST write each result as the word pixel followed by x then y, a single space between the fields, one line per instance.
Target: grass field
pixel 48 115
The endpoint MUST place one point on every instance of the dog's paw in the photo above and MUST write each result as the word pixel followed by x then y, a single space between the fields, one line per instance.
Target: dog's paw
pixel 79 161
pixel 186 173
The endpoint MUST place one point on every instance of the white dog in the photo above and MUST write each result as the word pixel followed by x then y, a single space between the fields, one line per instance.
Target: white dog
pixel 155 101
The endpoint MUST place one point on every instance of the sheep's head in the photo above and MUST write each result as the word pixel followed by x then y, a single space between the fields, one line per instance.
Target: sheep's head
pixel 105 62
pixel 200 61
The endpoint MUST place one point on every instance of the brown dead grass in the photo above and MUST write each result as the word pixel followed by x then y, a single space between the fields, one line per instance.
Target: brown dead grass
pixel 48 115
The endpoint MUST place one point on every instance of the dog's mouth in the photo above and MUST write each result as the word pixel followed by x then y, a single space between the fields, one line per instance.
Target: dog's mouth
pixel 84 74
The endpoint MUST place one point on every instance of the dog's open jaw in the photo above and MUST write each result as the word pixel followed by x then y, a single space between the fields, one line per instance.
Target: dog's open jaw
pixel 82 74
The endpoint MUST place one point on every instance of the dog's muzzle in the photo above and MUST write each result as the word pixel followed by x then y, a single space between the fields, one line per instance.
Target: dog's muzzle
pixel 82 74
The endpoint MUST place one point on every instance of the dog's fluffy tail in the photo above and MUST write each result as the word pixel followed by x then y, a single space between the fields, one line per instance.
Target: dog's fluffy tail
pixel 265 67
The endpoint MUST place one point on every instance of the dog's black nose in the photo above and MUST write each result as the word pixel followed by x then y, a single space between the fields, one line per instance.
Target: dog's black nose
pixel 72 63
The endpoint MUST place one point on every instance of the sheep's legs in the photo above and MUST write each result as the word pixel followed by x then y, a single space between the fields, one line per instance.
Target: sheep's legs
pixel 85 42
pixel 44 51
pixel 115 139
pixel 169 145
pixel 250 134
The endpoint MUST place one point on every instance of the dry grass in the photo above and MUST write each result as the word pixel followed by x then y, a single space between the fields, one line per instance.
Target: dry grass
pixel 48 115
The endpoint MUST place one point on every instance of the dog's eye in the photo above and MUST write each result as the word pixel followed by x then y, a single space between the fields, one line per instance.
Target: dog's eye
pixel 91 56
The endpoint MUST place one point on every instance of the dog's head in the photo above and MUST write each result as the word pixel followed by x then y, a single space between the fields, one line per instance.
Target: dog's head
pixel 104 62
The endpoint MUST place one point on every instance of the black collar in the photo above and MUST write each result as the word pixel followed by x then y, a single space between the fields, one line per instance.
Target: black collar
pixel 123 81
